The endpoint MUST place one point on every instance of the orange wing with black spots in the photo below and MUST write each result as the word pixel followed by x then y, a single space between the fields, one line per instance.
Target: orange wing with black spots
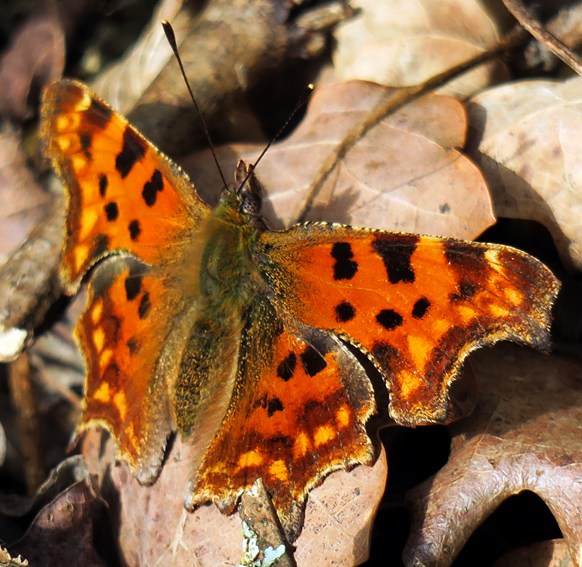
pixel 123 335
pixel 297 413
pixel 415 305
pixel 125 201
pixel 123 195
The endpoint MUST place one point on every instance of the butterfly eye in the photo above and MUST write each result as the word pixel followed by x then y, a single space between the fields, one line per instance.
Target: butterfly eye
pixel 250 202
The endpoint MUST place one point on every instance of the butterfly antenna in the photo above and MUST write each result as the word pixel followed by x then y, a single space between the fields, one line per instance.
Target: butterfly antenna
pixel 172 41
pixel 302 101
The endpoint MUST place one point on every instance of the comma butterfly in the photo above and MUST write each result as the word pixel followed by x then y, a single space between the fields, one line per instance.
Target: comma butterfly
pixel 242 339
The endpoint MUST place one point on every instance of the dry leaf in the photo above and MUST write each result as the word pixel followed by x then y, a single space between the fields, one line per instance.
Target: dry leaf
pixel 529 150
pixel 404 174
pixel 56 358
pixel 64 475
pixel 29 283
pixel 400 43
pixel 226 49
pixel 523 435
pixel 35 56
pixel 552 553
pixel 7 560
pixel 29 249
pixel 124 82
pixel 23 203
pixel 155 528
pixel 62 532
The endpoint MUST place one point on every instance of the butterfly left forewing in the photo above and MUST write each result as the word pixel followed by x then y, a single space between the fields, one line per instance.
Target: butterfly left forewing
pixel 415 305
pixel 298 412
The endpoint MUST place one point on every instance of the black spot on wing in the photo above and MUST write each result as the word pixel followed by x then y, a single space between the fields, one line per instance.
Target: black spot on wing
pixel 101 244
pixel 274 405
pixel 111 326
pixel 132 287
pixel 134 229
pixel 133 346
pixel 420 308
pixel 97 116
pixel 152 188
pixel 389 319
pixel 145 306
pixel 111 211
pixel 344 268
pixel 313 363
pixel 386 356
pixel 286 369
pixel 85 140
pixel 344 312
pixel 466 291
pixel 111 373
pixel 132 150
pixel 103 183
pixel 396 253
pixel 278 440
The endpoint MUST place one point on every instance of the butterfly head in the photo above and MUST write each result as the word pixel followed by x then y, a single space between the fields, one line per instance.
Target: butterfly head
pixel 244 198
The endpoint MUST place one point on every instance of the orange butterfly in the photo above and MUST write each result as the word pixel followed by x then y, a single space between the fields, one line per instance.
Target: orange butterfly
pixel 204 322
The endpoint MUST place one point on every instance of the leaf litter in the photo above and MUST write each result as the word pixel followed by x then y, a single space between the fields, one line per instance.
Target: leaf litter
pixel 542 116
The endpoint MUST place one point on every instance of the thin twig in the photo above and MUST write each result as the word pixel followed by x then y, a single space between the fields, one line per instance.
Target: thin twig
pixel 533 26
pixel 27 420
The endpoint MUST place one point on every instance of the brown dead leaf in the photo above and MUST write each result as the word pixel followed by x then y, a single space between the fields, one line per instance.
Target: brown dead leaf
pixel 62 533
pixel 339 517
pixel 29 249
pixel 35 56
pixel 7 560
pixel 64 475
pixel 552 553
pixel 523 435
pixel 124 82
pixel 404 174
pixel 226 49
pixel 22 201
pixel 155 528
pixel 58 362
pixel 405 43
pixel 529 151
pixel 29 283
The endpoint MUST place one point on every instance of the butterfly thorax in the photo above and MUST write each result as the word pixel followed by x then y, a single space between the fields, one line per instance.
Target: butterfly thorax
pixel 229 279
